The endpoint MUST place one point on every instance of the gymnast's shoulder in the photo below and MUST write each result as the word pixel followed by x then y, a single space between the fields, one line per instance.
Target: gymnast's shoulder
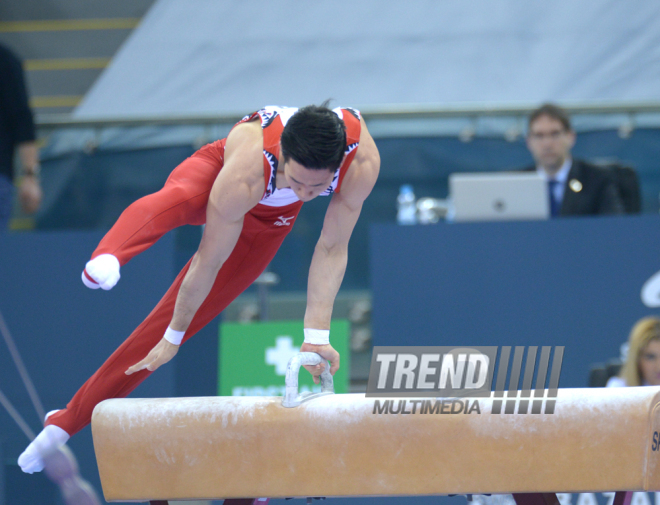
pixel 363 172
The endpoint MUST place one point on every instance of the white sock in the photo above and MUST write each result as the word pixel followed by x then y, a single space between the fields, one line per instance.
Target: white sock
pixel 50 438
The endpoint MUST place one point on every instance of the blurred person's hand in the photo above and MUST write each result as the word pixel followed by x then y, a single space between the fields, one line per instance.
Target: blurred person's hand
pixel 29 189
pixel 30 194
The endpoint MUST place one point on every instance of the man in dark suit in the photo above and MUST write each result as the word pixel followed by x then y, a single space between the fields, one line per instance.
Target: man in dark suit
pixel 574 186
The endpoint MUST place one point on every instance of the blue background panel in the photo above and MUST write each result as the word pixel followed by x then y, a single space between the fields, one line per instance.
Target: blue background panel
pixel 574 282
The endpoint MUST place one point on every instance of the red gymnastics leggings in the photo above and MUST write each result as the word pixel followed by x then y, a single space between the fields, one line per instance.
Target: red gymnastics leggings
pixel 182 201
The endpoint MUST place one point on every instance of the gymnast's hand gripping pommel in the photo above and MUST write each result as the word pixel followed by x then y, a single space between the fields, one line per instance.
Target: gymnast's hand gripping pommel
pixel 291 396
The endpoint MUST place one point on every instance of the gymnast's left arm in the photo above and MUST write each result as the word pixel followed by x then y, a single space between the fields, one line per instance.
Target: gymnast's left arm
pixel 331 253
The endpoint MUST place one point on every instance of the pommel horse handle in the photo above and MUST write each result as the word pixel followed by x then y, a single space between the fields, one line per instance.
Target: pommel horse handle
pixel 291 396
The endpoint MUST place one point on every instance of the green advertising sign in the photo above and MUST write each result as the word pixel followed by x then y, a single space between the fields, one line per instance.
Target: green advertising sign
pixel 253 357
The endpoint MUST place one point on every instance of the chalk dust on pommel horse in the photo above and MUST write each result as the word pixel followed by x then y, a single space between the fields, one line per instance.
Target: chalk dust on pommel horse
pixel 597 440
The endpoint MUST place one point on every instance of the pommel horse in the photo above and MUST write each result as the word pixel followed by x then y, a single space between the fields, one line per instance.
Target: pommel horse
pixel 329 445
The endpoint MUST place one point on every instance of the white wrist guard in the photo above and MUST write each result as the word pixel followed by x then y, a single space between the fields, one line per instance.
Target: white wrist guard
pixel 317 337
pixel 173 336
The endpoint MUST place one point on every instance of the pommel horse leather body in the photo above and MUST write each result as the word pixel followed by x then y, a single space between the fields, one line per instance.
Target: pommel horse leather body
pixel 335 445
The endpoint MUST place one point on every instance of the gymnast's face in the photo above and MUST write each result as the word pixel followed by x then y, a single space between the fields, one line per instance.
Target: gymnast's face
pixel 649 363
pixel 306 183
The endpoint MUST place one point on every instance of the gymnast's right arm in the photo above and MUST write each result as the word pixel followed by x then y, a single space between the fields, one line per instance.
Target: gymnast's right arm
pixel 237 189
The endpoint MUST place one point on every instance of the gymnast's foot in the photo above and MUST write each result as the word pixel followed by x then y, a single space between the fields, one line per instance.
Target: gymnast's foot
pixel 50 438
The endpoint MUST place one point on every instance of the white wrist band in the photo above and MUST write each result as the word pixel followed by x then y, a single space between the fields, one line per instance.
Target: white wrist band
pixel 317 337
pixel 173 336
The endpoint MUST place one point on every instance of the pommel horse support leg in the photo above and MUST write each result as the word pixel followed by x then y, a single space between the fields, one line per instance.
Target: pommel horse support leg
pixel 596 440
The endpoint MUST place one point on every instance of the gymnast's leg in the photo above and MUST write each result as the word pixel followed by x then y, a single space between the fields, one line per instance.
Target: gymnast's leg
pixel 249 258
pixel 182 200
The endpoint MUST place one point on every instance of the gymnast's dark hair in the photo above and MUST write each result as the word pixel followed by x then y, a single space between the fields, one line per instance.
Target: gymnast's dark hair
pixel 315 137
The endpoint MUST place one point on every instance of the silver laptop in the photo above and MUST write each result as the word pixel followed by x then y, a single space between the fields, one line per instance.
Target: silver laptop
pixel 498 196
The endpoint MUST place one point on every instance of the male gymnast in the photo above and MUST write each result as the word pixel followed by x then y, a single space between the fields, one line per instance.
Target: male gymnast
pixel 248 190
